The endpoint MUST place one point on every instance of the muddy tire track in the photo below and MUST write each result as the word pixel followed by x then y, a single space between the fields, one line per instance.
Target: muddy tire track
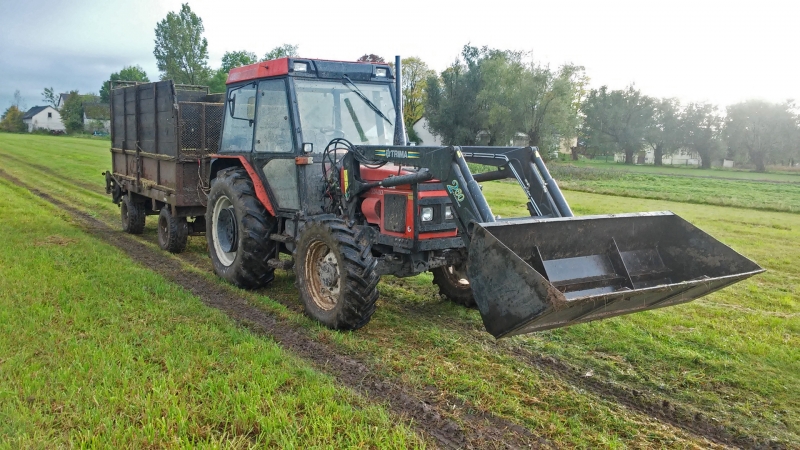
pixel 55 175
pixel 428 410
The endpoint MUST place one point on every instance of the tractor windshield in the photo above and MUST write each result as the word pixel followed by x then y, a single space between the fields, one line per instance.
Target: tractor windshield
pixel 334 109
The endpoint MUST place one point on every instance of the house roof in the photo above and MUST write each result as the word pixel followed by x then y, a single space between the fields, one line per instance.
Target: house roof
pixel 34 111
pixel 62 98
pixel 97 111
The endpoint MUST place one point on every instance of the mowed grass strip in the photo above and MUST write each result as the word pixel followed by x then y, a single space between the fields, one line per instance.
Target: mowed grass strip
pixel 738 376
pixel 96 351
pixel 643 183
pixel 780 174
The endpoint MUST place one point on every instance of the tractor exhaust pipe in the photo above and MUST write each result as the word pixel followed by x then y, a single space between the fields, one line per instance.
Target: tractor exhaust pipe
pixel 400 125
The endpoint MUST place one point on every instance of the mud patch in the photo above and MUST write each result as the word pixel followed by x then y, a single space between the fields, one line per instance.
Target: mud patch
pixel 54 240
pixel 451 423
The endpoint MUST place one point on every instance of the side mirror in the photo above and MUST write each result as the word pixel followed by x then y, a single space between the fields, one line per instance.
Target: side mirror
pixel 231 104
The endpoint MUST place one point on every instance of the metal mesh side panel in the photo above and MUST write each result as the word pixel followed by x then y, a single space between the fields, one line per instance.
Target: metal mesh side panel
pixel 200 129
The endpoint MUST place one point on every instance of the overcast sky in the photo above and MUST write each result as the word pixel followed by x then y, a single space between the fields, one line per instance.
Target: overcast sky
pixel 717 51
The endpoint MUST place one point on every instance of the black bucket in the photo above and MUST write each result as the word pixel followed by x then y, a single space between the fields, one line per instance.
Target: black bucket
pixel 536 274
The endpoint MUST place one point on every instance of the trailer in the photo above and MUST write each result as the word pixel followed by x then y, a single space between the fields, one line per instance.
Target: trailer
pixel 161 137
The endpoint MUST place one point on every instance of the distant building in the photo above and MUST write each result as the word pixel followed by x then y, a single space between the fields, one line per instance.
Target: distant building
pixel 62 99
pixel 682 157
pixel 428 138
pixel 43 117
pixel 97 117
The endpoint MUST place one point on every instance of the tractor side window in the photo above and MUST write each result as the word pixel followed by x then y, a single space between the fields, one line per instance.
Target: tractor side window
pixel 237 133
pixel 273 127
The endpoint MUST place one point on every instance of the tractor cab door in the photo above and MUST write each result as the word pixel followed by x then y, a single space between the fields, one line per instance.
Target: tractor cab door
pixel 274 145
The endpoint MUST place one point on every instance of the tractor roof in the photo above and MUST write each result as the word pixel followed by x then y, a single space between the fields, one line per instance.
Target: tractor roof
pixel 312 68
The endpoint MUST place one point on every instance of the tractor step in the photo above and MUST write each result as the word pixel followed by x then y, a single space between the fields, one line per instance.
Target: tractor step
pixel 283 264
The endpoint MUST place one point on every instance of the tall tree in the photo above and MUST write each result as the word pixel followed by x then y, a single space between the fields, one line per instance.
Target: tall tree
pixel 181 51
pixel 50 97
pixel 664 134
pixel 452 106
pixel 371 57
pixel 18 101
pixel 702 127
pixel 237 58
pixel 415 75
pixel 11 120
pixel 764 132
pixel 281 51
pixel 619 119
pixel 72 112
pixel 128 73
pixel 230 60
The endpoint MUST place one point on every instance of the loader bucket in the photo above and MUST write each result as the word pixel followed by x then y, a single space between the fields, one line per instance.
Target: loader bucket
pixel 536 274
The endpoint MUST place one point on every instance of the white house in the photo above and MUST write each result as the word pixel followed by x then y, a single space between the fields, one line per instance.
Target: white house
pixel 428 138
pixel 43 117
pixel 97 117
pixel 682 157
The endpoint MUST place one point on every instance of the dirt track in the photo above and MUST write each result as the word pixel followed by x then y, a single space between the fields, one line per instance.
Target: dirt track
pixel 449 422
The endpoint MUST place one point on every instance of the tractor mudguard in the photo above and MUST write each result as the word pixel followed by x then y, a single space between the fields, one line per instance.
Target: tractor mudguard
pixel 536 274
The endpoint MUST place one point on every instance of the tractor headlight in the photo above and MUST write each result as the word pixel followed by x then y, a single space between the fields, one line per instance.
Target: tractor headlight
pixel 448 213
pixel 380 72
pixel 427 214
pixel 300 67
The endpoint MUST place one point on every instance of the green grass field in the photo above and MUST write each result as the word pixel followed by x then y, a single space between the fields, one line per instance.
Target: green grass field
pixel 786 175
pixel 731 359
pixel 674 184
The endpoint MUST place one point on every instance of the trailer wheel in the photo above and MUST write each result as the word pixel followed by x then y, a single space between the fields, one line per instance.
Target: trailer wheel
pixel 172 231
pixel 336 274
pixel 453 284
pixel 132 214
pixel 237 230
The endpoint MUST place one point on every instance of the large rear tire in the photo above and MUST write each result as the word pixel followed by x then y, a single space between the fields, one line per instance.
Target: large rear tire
pixel 237 230
pixel 453 284
pixel 173 232
pixel 336 274
pixel 132 214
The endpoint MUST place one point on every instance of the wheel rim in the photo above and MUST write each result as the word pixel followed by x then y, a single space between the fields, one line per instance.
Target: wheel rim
pixel 457 276
pixel 163 229
pixel 322 273
pixel 124 211
pixel 224 231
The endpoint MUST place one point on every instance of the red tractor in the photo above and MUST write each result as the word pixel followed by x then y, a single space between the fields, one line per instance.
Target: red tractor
pixel 312 163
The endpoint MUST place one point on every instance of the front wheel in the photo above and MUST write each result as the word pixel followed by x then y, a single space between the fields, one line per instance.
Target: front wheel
pixel 336 274
pixel 453 284
pixel 237 230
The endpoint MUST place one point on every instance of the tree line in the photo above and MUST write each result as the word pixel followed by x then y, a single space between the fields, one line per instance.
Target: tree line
pixel 495 97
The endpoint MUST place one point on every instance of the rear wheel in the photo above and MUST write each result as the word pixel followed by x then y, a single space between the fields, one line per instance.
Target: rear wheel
pixel 172 231
pixel 453 284
pixel 237 230
pixel 336 274
pixel 132 214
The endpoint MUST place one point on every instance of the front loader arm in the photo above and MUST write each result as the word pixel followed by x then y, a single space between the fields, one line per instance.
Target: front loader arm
pixel 449 165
